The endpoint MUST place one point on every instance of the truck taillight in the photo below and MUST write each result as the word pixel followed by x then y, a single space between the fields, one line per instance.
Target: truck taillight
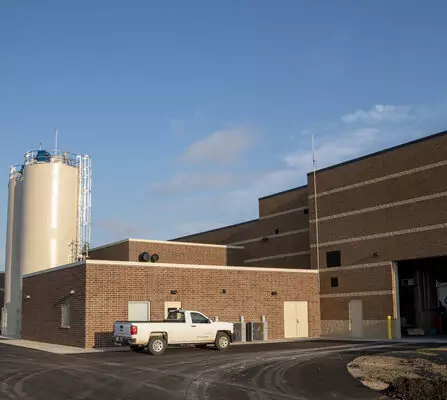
pixel 133 330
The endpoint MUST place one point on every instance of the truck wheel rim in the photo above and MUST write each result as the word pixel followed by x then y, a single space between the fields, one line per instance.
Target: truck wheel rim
pixel 223 341
pixel 158 345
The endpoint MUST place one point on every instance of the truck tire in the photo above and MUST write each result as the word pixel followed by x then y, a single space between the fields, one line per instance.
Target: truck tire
pixel 222 341
pixel 157 345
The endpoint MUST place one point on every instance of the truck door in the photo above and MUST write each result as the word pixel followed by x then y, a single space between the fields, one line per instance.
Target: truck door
pixel 201 328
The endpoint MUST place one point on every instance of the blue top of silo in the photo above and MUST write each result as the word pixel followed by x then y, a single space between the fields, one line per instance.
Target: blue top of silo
pixel 43 155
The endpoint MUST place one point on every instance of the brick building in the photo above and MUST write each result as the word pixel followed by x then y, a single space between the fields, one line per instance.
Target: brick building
pixel 382 234
pixel 98 292
pixel 381 251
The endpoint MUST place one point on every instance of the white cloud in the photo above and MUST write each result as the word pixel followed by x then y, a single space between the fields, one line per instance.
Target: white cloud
pixel 335 142
pixel 221 146
pixel 378 113
pixel 185 182
pixel 332 150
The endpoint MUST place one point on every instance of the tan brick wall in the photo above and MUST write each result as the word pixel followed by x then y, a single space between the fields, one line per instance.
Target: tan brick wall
pixel 184 254
pixel 280 202
pixel 113 252
pixel 170 252
pixel 41 314
pixel 110 287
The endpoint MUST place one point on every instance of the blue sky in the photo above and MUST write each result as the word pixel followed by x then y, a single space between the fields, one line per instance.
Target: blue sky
pixel 193 109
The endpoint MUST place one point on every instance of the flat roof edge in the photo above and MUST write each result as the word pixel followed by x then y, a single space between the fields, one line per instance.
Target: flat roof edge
pixel 282 192
pixel 197 266
pixel 186 243
pixel 58 268
pixel 215 229
pixel 164 242
pixel 383 151
pixel 103 246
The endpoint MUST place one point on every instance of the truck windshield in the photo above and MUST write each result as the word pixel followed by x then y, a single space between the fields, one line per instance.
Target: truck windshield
pixel 176 316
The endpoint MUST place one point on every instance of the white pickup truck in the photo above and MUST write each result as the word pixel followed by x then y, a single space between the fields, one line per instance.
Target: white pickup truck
pixel 180 327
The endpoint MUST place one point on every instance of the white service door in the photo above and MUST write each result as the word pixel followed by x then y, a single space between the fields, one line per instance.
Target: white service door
pixel 138 311
pixel 296 319
pixel 356 318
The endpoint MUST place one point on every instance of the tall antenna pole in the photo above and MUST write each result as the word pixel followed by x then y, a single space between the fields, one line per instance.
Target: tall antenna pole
pixel 55 147
pixel 317 242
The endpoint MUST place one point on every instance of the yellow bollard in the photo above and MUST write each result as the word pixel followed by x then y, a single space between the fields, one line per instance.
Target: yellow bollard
pixel 390 329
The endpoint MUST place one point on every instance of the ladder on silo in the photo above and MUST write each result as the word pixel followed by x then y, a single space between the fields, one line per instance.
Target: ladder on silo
pixel 82 246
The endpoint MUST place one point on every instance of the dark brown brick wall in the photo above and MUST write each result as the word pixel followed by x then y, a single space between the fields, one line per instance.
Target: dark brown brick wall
pixel 248 294
pixel 185 254
pixel 261 227
pixel 411 156
pixel 374 307
pixel 277 245
pixel 408 216
pixel 386 220
pixel 224 235
pixel 297 262
pixel 394 248
pixel 283 201
pixel 114 252
pixel 358 280
pixel 389 191
pixel 41 314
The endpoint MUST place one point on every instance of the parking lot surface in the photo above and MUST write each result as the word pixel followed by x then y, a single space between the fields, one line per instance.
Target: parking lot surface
pixel 299 370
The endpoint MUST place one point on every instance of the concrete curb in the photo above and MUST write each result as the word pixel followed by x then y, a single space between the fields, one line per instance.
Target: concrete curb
pixel 67 350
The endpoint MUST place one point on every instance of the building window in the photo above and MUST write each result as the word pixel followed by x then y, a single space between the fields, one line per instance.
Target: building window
pixel 333 258
pixel 276 231
pixel 306 211
pixel 65 315
pixel 334 282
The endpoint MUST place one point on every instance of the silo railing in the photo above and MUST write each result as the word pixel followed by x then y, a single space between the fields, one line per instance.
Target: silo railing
pixel 58 156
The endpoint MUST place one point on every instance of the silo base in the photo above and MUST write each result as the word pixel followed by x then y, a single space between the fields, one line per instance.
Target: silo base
pixel 11 323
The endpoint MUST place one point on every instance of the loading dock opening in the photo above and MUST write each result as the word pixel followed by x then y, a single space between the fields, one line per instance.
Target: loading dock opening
pixel 423 296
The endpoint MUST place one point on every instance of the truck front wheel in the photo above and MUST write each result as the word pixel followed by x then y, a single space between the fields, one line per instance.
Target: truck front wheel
pixel 157 345
pixel 222 341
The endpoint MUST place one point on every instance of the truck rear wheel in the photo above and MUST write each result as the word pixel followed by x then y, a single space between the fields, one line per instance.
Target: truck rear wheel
pixel 222 341
pixel 157 345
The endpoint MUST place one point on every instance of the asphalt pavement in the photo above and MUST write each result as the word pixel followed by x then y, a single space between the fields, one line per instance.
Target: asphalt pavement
pixel 300 370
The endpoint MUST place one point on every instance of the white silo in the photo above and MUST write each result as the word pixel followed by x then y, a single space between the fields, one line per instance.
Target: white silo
pixel 50 219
